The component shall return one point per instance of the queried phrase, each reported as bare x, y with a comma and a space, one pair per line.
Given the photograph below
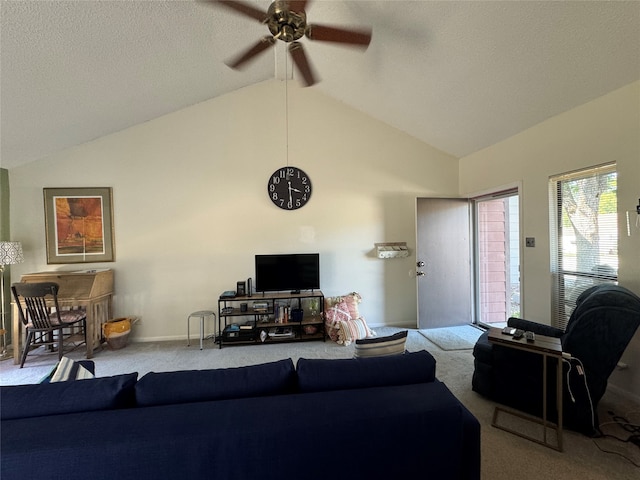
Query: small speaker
243, 307
249, 287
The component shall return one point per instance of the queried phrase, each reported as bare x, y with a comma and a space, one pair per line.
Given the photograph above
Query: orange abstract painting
79, 225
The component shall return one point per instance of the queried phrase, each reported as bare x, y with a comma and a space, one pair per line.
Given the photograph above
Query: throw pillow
352, 300
382, 346
42, 399
68, 370
334, 315
338, 312
353, 329
315, 375
273, 378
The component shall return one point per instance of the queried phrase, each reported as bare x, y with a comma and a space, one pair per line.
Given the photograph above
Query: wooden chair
44, 321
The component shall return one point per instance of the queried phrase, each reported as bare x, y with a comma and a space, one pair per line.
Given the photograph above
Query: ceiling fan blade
250, 53
325, 33
297, 5
241, 7
300, 60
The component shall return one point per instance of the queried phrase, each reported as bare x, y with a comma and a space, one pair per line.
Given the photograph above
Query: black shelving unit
246, 320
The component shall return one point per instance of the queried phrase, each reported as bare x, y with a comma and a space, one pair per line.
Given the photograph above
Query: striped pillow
351, 330
383, 346
67, 370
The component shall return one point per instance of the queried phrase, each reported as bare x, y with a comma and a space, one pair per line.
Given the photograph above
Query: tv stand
247, 320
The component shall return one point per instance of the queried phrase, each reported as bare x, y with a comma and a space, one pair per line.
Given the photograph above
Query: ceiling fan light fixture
285, 24
287, 21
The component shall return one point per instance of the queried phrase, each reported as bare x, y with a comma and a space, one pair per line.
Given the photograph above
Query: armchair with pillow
601, 326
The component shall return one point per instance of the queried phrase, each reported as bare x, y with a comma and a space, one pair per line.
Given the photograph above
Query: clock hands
293, 189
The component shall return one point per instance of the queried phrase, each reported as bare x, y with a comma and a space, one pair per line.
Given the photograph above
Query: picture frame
79, 225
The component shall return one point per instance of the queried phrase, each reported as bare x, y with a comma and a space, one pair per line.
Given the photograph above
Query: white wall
604, 130
191, 207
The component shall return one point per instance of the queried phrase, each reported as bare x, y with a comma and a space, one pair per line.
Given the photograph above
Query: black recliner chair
600, 327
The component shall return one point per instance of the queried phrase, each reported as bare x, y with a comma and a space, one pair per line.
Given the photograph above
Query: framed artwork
78, 225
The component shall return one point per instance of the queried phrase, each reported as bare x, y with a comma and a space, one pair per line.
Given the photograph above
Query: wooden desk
546, 347
91, 289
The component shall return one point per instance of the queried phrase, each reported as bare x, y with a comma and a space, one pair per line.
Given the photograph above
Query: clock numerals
289, 188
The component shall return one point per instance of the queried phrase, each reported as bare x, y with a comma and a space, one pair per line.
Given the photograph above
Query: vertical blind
584, 235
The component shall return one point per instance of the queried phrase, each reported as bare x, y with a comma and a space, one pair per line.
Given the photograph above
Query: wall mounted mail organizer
392, 250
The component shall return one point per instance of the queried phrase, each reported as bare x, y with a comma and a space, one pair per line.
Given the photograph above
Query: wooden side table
545, 347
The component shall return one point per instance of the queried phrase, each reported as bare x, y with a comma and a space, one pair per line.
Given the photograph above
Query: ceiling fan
287, 21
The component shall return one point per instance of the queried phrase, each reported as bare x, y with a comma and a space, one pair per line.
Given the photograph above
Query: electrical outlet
530, 242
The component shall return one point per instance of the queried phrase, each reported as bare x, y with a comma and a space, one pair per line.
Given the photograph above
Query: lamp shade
11, 253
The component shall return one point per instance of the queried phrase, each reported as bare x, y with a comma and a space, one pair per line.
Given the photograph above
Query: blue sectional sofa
381, 417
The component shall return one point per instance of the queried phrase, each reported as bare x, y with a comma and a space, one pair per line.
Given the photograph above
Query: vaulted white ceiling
460, 76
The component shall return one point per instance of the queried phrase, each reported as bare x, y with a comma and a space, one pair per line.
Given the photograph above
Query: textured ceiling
458, 75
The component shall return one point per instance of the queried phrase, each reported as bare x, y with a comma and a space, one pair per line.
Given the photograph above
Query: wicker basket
117, 332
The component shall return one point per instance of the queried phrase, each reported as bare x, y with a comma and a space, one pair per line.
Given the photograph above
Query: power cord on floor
626, 425
637, 440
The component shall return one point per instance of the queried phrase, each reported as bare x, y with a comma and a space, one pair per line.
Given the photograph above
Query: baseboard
165, 339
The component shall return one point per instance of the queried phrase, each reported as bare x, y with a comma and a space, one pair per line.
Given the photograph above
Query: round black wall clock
289, 188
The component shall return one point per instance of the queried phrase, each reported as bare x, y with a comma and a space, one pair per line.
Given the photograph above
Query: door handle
420, 264
420, 273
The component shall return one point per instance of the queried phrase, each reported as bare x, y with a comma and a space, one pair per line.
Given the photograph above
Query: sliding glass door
497, 246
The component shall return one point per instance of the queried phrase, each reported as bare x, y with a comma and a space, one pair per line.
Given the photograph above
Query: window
584, 235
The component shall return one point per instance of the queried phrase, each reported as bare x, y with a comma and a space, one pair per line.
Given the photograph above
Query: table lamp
10, 254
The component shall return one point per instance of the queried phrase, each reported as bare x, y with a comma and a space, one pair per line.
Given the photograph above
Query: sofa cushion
186, 386
320, 375
105, 393
381, 346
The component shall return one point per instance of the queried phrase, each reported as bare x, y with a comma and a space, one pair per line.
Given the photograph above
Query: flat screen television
294, 272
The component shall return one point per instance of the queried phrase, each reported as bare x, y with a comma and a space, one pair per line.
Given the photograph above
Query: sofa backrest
188, 386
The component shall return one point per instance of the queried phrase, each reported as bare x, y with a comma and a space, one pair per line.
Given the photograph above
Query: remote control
530, 336
518, 334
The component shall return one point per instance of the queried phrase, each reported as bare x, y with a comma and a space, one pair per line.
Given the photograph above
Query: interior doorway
468, 260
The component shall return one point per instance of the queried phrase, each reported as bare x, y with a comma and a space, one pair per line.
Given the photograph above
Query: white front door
444, 282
